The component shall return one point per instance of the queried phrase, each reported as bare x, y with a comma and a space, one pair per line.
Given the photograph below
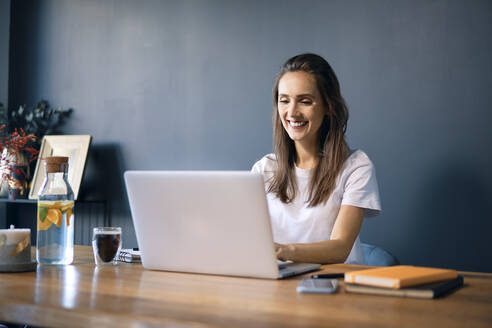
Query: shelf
34, 201
18, 201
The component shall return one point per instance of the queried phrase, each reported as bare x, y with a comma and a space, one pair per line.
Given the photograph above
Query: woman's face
300, 107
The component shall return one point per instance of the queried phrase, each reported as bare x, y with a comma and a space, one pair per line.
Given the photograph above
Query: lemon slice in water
55, 216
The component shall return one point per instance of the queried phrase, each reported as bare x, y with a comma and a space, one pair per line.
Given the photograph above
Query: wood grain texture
82, 295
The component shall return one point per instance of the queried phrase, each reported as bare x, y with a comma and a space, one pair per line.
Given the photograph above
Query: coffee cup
106, 245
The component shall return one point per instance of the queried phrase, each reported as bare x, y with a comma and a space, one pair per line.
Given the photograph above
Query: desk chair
376, 256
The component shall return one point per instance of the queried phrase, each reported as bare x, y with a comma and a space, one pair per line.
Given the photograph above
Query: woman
318, 190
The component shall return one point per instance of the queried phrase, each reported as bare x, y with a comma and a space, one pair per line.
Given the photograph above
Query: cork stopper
55, 164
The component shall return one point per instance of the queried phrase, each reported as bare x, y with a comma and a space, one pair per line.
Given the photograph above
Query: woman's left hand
284, 252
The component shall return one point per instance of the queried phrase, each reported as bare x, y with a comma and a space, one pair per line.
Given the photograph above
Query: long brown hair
333, 149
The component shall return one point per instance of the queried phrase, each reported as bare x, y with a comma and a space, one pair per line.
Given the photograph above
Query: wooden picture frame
75, 147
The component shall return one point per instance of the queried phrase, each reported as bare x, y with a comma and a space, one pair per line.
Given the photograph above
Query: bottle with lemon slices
55, 214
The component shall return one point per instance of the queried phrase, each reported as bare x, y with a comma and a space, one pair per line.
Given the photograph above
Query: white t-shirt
297, 223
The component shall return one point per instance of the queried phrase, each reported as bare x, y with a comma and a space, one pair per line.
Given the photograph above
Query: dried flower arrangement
10, 147
21, 132
38, 120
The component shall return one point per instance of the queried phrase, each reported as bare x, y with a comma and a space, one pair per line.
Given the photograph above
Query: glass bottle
55, 214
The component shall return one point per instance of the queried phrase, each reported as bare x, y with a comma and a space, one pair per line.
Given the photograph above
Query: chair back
377, 256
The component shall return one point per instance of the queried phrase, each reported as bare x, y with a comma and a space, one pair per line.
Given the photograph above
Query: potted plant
21, 133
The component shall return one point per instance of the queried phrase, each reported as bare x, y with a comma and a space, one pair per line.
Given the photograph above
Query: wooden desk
82, 295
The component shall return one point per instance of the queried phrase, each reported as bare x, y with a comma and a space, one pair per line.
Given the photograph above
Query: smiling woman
301, 110
318, 189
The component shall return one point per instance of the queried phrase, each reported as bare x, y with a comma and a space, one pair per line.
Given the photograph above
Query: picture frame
75, 147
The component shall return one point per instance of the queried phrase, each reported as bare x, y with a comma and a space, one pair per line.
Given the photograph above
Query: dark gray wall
186, 85
4, 49
4, 70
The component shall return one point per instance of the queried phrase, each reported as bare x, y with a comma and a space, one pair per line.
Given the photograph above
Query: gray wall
4, 49
187, 85
4, 70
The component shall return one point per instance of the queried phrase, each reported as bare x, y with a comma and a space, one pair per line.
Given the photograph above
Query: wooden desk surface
82, 295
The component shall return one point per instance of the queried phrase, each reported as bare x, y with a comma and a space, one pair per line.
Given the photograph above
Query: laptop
211, 222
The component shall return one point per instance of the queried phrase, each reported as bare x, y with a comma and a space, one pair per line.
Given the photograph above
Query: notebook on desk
213, 222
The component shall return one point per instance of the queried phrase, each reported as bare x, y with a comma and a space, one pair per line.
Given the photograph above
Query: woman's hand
335, 250
284, 252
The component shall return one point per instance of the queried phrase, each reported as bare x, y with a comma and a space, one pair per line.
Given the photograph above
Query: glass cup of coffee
106, 244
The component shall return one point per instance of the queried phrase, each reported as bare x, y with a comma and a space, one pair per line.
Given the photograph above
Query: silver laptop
213, 222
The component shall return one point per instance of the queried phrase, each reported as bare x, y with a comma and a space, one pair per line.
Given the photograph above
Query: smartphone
320, 286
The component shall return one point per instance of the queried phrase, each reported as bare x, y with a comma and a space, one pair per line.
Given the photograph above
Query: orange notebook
399, 276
